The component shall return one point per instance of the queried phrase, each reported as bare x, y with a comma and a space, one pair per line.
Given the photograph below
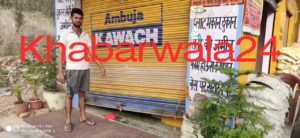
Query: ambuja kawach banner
63, 10
134, 25
222, 24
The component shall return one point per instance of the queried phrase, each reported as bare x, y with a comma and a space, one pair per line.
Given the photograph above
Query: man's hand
61, 78
103, 71
100, 66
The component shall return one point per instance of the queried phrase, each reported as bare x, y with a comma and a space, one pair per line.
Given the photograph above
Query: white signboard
63, 10
223, 24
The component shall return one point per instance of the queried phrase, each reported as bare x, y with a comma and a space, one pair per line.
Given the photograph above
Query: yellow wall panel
247, 65
279, 29
285, 8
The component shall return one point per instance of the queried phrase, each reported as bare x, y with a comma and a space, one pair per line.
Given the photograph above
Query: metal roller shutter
149, 86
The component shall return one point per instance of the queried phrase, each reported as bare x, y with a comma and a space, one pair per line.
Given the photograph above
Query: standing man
77, 74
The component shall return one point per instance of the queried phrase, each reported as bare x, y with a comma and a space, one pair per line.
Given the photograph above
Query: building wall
247, 65
286, 33
293, 8
299, 34
285, 8
24, 17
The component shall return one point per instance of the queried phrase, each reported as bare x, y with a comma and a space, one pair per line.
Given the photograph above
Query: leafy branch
227, 102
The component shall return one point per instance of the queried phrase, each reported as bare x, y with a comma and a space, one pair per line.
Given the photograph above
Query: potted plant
20, 105
226, 112
33, 76
53, 92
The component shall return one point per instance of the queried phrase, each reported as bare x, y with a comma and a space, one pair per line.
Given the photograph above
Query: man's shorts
77, 80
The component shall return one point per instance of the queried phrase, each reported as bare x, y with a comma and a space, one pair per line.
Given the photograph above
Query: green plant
3, 78
228, 103
17, 90
33, 75
42, 73
50, 71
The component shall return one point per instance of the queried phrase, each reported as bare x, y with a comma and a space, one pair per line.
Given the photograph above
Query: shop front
149, 80
147, 86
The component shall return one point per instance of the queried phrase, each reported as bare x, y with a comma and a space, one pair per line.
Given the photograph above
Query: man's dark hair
76, 10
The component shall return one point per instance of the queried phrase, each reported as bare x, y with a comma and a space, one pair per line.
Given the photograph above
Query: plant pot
36, 104
55, 100
21, 108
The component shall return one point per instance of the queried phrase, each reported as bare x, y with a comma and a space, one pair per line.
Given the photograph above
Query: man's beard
77, 25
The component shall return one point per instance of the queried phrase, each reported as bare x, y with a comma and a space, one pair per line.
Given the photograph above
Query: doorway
267, 24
